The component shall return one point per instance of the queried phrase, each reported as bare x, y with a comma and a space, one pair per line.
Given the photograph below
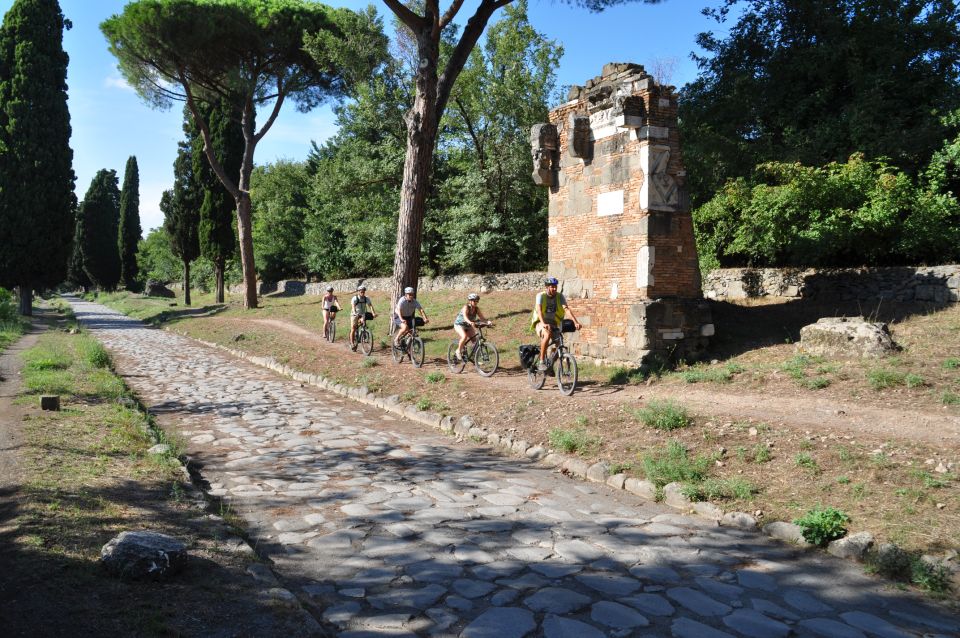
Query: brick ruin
620, 230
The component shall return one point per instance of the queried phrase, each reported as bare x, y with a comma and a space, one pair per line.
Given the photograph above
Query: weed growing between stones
898, 564
822, 525
664, 415
574, 441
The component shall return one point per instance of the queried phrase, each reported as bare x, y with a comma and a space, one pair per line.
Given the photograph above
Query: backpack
528, 355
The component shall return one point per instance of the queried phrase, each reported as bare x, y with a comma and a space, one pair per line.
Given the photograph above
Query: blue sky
110, 122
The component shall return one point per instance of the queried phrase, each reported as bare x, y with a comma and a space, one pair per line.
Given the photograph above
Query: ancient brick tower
620, 231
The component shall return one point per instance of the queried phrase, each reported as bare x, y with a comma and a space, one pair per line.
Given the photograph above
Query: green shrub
914, 381
672, 463
95, 354
820, 526
949, 398
934, 577
804, 460
953, 363
761, 453
898, 564
664, 415
436, 377
882, 378
424, 403
576, 440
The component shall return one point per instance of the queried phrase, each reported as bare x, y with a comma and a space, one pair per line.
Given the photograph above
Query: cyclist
359, 305
465, 324
405, 310
549, 310
330, 306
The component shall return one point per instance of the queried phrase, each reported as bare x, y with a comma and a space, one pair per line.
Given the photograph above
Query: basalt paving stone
385, 527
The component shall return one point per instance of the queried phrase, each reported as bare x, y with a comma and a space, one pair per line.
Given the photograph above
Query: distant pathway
383, 529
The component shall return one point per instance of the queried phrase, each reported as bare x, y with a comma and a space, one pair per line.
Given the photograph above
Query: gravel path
381, 528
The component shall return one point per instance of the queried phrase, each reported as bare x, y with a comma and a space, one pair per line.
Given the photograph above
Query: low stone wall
479, 283
934, 284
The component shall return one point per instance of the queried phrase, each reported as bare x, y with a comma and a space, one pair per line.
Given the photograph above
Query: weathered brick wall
620, 230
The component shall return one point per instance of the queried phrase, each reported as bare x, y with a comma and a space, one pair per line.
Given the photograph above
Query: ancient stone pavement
382, 528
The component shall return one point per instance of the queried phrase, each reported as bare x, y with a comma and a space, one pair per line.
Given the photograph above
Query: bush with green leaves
664, 415
822, 525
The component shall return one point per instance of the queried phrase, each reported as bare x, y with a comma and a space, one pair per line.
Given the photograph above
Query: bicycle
481, 352
330, 330
410, 345
560, 362
362, 336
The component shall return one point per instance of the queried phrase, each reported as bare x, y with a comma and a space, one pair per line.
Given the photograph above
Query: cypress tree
100, 215
130, 229
217, 213
36, 176
181, 205
76, 275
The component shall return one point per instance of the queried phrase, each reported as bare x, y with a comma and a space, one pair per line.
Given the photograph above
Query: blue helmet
551, 281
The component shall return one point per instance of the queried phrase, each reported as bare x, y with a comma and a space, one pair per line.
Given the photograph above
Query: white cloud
117, 82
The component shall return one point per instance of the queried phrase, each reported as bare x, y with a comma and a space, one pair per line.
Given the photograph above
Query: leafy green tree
248, 53
429, 25
496, 217
217, 239
130, 229
181, 205
156, 258
279, 193
37, 203
814, 81
100, 224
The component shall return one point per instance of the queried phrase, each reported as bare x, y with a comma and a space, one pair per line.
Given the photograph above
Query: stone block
143, 555
854, 546
576, 467
598, 472
463, 425
738, 519
784, 531
708, 510
847, 336
673, 496
50, 402
616, 481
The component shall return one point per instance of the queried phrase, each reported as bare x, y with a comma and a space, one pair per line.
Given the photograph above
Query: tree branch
451, 13
473, 134
406, 16
273, 114
207, 144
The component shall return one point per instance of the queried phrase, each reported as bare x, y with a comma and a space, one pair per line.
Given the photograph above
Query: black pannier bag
418, 321
528, 355
567, 325
368, 316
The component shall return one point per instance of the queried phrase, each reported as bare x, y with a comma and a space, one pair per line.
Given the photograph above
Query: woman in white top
330, 305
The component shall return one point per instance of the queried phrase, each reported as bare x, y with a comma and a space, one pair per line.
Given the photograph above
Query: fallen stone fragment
143, 555
786, 532
853, 546
738, 519
846, 336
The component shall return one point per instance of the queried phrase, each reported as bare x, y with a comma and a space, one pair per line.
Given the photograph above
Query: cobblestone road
384, 529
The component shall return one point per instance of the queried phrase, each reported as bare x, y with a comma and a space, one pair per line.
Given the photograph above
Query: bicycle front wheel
486, 359
331, 331
366, 341
566, 374
455, 364
398, 351
536, 378
416, 351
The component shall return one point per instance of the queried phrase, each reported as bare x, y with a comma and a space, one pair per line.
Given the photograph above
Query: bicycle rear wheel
536, 378
455, 364
486, 359
416, 351
331, 331
398, 352
366, 341
566, 374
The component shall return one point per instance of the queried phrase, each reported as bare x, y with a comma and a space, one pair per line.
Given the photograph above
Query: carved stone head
545, 147
578, 136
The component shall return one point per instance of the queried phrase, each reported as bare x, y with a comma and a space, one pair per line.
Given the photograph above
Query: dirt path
807, 413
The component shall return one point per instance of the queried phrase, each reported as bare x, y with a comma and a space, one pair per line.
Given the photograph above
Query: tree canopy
250, 54
100, 215
37, 202
130, 229
181, 204
814, 81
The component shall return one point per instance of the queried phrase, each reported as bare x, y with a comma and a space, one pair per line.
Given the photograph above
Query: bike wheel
416, 351
331, 331
366, 341
486, 359
398, 352
456, 365
566, 374
536, 378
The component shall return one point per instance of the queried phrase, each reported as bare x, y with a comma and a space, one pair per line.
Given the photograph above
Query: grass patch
622, 375
883, 378
436, 377
664, 415
713, 489
673, 463
950, 398
914, 380
898, 564
807, 462
815, 383
369, 362
953, 363
574, 440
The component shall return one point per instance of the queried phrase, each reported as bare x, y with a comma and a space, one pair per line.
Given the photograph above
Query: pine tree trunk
186, 283
26, 301
219, 267
421, 141
245, 234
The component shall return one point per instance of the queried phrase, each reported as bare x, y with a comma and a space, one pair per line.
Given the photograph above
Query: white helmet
408, 290
329, 288
473, 297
